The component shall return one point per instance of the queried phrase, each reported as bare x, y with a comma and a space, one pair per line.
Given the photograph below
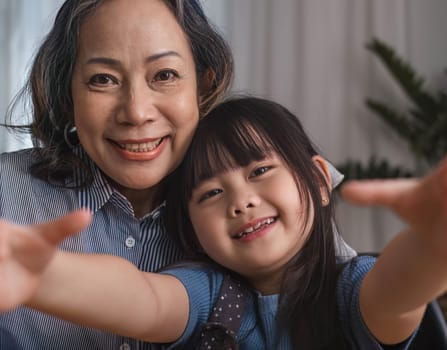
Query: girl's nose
242, 204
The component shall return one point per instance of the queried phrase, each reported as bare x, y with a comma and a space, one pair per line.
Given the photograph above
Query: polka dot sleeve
202, 286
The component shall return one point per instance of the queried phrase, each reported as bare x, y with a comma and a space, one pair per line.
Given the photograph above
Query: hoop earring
69, 130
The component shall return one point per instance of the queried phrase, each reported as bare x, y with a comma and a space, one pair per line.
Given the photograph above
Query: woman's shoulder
17, 161
15, 170
24, 198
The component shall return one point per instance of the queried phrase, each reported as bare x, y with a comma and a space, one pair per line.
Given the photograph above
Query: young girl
252, 195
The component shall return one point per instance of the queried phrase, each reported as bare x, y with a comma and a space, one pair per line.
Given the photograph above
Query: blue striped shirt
115, 230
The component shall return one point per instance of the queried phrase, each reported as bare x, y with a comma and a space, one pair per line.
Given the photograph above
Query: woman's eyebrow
114, 62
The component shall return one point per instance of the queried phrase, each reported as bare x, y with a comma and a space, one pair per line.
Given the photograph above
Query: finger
56, 231
4, 248
377, 192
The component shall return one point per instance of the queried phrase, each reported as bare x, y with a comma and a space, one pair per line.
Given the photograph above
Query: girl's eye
102, 80
260, 171
209, 194
166, 75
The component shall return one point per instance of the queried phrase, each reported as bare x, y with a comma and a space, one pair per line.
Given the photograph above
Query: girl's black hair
235, 133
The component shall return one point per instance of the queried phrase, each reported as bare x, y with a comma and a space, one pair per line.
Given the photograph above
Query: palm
421, 203
18, 284
25, 252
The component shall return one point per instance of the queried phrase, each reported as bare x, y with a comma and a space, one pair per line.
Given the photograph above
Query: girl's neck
267, 284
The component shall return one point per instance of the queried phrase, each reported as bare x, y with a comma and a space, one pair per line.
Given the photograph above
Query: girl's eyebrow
202, 182
114, 62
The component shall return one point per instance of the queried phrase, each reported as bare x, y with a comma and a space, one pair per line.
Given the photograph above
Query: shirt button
130, 243
124, 346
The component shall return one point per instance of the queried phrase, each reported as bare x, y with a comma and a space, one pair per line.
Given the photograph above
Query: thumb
377, 192
57, 230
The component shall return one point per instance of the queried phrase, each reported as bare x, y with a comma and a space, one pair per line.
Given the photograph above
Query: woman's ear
322, 165
205, 83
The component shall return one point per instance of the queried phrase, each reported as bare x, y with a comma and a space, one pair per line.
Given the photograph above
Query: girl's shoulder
213, 294
360, 261
348, 306
199, 278
354, 270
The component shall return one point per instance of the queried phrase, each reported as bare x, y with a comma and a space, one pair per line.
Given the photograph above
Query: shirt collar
94, 196
99, 191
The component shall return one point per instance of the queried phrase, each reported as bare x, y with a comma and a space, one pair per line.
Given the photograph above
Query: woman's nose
139, 106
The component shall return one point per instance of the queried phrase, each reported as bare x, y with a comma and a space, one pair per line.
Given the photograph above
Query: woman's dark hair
235, 133
49, 82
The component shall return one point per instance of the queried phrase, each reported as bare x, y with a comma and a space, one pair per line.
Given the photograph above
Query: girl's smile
251, 219
254, 229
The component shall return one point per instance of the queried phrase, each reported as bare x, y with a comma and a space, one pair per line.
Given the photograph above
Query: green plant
422, 125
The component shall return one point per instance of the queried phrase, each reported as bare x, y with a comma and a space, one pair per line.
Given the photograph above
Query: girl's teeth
255, 227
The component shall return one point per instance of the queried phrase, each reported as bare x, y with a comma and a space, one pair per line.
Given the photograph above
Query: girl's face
134, 94
252, 220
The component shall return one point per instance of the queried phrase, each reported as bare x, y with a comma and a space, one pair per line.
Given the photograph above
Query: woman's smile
134, 93
141, 151
140, 146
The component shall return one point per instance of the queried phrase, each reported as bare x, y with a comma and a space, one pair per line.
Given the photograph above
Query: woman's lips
140, 146
140, 150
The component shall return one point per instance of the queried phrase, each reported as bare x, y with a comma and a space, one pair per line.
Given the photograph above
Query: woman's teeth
141, 147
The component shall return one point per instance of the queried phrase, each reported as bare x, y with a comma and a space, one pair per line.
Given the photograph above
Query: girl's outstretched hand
422, 203
25, 252
412, 268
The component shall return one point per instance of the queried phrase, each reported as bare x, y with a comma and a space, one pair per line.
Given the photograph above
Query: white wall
23, 23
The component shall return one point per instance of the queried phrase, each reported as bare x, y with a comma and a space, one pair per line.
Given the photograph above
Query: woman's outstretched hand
25, 252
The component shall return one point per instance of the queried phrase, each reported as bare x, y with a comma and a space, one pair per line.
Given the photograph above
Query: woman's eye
209, 194
259, 171
166, 75
101, 80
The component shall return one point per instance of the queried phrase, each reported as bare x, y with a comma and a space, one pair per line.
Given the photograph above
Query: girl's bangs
216, 150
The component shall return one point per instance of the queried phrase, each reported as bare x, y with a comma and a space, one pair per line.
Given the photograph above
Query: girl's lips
253, 227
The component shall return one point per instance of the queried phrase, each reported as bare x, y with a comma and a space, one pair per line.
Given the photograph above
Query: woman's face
134, 93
